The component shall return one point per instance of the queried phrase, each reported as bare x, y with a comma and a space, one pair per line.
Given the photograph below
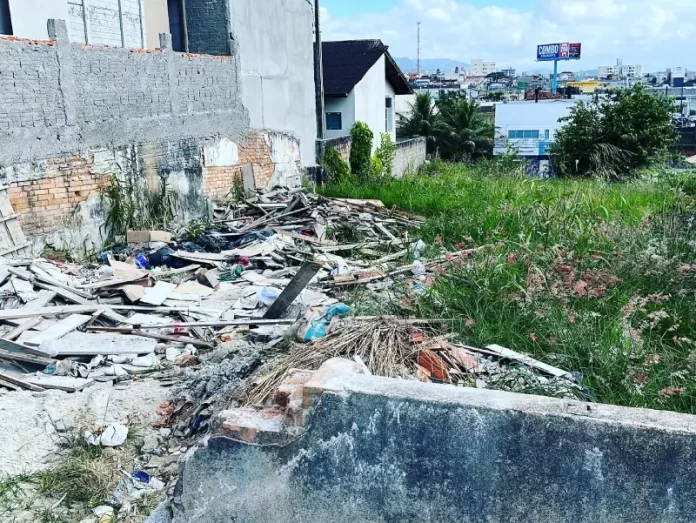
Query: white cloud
654, 33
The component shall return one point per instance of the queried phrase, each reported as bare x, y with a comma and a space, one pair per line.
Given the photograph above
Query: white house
530, 128
361, 83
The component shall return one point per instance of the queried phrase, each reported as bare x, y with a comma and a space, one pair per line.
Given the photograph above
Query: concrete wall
156, 21
72, 114
409, 156
370, 94
380, 450
29, 17
275, 42
345, 106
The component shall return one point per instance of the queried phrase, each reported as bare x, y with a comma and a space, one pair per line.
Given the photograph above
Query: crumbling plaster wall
276, 49
72, 114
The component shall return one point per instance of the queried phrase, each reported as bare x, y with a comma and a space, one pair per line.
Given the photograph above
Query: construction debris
262, 290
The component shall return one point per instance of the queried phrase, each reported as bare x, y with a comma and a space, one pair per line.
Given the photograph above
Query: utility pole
419, 49
318, 73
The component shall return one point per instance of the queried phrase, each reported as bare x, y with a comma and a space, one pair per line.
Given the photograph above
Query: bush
385, 155
610, 139
361, 150
336, 169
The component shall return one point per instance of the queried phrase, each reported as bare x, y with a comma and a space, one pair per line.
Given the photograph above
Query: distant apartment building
509, 71
481, 68
619, 70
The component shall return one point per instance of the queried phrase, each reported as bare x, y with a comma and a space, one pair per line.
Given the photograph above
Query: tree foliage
361, 150
453, 126
422, 120
613, 138
384, 156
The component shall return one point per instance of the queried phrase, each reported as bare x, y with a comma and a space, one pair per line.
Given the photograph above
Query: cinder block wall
410, 155
71, 114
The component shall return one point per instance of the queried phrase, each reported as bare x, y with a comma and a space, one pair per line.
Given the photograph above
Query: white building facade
481, 68
529, 129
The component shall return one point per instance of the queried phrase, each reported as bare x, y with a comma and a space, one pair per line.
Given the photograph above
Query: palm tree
462, 132
423, 120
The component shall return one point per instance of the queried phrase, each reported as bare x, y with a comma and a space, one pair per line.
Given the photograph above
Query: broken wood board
26, 325
59, 330
13, 243
64, 383
511, 355
75, 298
20, 357
194, 288
23, 289
16, 382
205, 256
140, 332
218, 324
105, 344
112, 282
125, 270
44, 297
18, 348
293, 290
46, 278
157, 294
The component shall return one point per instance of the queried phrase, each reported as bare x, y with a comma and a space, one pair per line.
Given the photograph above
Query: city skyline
656, 34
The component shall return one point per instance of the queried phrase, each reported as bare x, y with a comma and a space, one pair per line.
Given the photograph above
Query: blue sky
654, 33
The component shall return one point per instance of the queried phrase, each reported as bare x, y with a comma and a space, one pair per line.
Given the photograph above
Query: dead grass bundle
384, 345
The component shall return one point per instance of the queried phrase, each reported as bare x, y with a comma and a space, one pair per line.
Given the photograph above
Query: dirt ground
32, 422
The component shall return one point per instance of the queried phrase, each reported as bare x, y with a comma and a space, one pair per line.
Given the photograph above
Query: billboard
560, 51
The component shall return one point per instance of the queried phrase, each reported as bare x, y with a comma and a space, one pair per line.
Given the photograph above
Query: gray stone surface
393, 451
66, 98
409, 156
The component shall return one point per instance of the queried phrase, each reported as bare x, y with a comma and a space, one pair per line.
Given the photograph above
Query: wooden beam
6, 378
293, 290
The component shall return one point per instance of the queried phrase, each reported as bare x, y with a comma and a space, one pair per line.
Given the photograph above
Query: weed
592, 276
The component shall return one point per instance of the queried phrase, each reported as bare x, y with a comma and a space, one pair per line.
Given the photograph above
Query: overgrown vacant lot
594, 277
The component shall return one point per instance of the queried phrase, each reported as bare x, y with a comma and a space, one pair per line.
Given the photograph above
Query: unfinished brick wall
50, 202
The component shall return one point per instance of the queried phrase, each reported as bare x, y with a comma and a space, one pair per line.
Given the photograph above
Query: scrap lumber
509, 354
215, 324
106, 344
60, 329
23, 327
16, 382
19, 348
18, 314
21, 357
64, 383
293, 290
71, 296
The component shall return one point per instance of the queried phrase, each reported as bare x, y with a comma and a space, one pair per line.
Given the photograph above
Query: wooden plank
43, 299
105, 344
157, 294
385, 231
60, 329
216, 324
23, 289
293, 290
510, 354
22, 327
19, 383
49, 280
163, 337
12, 346
75, 298
41, 361
64, 383
113, 282
15, 249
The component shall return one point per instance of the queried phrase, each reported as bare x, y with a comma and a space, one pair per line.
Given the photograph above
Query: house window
5, 20
547, 134
389, 115
334, 122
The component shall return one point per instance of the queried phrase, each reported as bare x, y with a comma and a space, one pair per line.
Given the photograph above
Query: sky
656, 34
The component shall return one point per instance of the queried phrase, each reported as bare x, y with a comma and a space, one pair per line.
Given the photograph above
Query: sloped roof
347, 62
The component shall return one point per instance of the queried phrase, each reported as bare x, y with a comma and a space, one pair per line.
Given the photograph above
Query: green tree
384, 156
422, 121
336, 169
612, 138
462, 132
361, 150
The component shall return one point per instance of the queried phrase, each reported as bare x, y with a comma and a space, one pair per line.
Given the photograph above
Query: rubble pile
267, 275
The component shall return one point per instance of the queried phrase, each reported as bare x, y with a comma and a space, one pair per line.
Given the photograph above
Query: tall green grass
595, 277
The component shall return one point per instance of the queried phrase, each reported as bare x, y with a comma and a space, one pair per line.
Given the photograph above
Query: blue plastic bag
317, 329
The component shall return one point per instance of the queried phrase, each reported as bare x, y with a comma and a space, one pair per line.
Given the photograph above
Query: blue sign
560, 51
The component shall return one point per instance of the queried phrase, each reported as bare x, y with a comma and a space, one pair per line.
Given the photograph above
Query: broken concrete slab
106, 344
379, 449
